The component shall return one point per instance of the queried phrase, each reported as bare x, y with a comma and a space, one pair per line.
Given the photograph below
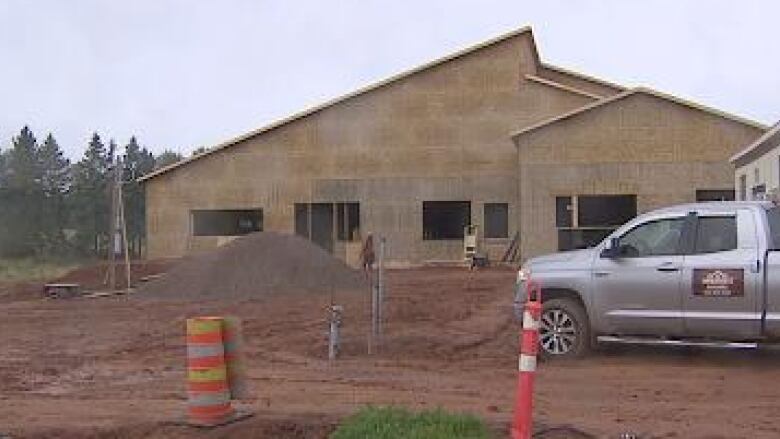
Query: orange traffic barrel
207, 379
233, 342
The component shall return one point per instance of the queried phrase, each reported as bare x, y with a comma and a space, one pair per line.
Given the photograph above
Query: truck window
654, 238
716, 234
773, 215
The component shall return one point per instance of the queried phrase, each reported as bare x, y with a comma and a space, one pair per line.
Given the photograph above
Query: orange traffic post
233, 342
522, 425
207, 381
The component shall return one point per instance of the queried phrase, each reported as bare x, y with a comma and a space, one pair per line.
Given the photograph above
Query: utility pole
117, 230
112, 220
123, 226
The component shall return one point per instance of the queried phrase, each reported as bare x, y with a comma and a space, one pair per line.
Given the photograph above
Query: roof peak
373, 86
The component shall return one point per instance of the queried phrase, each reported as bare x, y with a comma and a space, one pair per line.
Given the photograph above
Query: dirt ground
114, 368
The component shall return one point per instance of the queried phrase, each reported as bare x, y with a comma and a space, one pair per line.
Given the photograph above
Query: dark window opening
703, 195
302, 220
716, 234
321, 225
348, 221
315, 222
445, 219
584, 221
496, 220
226, 222
564, 210
605, 210
573, 239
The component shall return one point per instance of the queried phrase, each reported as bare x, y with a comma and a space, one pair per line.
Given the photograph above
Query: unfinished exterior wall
442, 133
657, 149
438, 134
758, 171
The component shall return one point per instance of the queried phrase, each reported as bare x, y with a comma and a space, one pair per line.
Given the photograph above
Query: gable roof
360, 91
632, 92
760, 146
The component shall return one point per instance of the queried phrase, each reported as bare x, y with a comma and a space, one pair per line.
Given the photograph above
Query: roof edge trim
755, 145
553, 84
583, 76
633, 91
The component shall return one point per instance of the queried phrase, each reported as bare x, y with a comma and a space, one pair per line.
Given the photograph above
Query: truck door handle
668, 268
601, 273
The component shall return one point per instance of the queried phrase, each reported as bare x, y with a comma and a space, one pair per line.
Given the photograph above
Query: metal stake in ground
335, 313
380, 287
375, 306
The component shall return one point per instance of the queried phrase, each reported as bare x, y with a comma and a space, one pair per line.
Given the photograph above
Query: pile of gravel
255, 265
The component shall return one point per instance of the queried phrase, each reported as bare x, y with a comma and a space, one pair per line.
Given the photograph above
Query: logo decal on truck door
719, 282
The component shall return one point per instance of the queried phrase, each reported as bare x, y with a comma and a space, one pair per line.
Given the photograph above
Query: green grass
29, 269
400, 423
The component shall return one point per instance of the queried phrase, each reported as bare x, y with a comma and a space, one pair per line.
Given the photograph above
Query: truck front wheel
564, 330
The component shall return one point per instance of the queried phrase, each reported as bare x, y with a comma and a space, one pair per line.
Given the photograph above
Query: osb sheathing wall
438, 134
761, 165
657, 149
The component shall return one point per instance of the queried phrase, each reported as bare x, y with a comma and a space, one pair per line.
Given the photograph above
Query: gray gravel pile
255, 265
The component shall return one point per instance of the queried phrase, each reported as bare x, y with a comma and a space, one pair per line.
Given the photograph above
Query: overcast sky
186, 73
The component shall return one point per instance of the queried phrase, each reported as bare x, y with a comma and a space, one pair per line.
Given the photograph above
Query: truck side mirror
612, 250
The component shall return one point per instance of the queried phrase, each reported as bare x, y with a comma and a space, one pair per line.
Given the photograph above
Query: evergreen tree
23, 169
5, 203
55, 183
90, 202
24, 196
3, 170
166, 158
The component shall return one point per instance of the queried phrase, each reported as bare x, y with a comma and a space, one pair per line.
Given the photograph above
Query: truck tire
564, 331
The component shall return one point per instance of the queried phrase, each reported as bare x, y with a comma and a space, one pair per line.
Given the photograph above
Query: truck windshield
773, 215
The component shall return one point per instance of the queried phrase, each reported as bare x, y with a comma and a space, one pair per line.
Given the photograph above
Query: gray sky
185, 73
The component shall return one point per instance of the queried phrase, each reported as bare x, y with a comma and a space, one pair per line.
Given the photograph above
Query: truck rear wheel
564, 330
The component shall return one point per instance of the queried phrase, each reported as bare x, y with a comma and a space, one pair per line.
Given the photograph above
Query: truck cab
696, 273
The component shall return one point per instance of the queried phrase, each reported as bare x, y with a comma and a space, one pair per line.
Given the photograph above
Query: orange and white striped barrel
207, 379
233, 342
522, 425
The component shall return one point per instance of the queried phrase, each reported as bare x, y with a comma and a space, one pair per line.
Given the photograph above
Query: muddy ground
114, 367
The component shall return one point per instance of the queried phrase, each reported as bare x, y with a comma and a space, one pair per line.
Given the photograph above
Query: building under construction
490, 136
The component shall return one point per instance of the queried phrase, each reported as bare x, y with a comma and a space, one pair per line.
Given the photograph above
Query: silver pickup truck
706, 273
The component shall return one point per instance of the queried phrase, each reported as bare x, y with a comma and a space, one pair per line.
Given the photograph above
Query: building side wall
439, 134
658, 150
762, 170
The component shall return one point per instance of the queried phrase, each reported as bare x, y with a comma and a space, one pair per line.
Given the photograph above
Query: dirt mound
255, 265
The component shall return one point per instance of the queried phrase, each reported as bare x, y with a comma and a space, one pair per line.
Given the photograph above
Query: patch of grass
400, 423
29, 269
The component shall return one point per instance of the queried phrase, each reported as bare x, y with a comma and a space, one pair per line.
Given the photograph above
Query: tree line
52, 208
